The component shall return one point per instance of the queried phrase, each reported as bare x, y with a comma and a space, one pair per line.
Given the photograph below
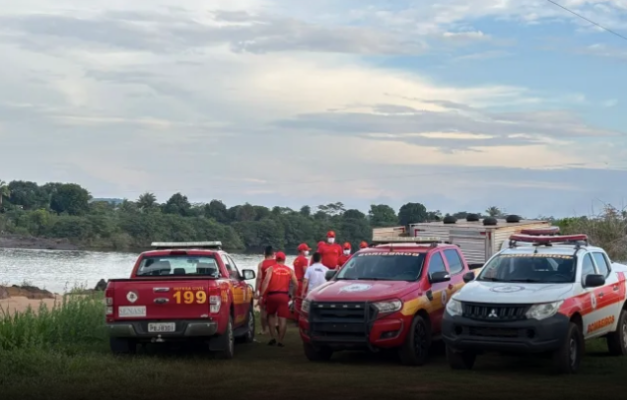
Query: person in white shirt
314, 275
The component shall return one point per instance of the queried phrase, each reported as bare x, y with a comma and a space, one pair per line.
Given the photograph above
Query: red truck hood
360, 290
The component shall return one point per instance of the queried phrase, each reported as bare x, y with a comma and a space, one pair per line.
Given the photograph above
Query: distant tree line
68, 211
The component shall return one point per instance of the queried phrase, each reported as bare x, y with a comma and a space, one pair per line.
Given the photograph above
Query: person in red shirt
330, 252
346, 254
318, 250
363, 245
276, 291
300, 265
262, 268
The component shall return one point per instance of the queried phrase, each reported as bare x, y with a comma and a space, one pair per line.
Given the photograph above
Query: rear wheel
415, 350
122, 346
229, 351
567, 358
617, 340
460, 359
249, 337
317, 354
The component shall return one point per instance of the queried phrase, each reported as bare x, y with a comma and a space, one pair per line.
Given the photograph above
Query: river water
60, 270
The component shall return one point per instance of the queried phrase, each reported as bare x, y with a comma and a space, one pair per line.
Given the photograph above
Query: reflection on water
60, 270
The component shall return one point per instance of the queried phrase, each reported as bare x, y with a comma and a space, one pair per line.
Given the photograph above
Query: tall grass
74, 324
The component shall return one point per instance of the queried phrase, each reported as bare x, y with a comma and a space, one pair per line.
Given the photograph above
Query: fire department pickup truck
390, 296
178, 292
547, 296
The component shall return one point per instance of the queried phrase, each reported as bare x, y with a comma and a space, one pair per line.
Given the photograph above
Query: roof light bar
547, 240
187, 245
550, 231
398, 239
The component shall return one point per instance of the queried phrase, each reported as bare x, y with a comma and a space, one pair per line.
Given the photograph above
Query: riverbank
36, 243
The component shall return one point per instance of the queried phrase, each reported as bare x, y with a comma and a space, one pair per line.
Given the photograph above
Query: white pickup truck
542, 294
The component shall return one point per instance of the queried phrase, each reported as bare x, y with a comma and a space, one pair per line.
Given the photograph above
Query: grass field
63, 353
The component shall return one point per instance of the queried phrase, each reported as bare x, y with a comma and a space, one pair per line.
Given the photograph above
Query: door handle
601, 294
450, 286
615, 288
161, 300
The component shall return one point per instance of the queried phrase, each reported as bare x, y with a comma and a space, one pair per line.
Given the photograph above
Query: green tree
412, 213
70, 198
28, 195
494, 211
381, 215
5, 192
217, 210
147, 202
177, 204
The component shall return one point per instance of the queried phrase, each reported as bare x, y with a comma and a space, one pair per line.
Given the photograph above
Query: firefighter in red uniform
300, 265
276, 291
363, 245
346, 254
330, 252
318, 250
262, 267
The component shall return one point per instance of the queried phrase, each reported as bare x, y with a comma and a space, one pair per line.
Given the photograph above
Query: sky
507, 103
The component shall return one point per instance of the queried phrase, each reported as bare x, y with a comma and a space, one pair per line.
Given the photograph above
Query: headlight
304, 307
454, 307
389, 306
543, 311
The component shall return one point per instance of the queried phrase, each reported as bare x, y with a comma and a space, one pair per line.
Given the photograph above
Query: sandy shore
19, 304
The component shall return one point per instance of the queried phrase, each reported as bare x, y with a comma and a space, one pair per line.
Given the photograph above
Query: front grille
344, 321
495, 312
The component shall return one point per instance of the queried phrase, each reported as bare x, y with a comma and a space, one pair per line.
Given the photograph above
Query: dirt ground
21, 303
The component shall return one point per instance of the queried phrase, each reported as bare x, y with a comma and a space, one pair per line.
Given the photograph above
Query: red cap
279, 256
363, 245
330, 234
303, 247
347, 246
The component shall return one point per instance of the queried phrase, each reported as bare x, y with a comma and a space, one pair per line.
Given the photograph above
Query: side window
587, 267
602, 263
232, 267
455, 265
436, 263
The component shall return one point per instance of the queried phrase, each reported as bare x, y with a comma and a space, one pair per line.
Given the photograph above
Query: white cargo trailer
478, 242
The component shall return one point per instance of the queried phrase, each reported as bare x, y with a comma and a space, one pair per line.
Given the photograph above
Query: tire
567, 358
460, 359
229, 352
249, 337
415, 350
617, 340
317, 354
122, 346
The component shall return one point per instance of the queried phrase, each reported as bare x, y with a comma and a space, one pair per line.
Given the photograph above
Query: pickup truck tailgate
139, 299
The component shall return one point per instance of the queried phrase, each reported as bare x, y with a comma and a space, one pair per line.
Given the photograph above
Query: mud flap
219, 343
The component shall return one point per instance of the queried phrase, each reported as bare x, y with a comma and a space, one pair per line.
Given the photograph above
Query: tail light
109, 301
215, 302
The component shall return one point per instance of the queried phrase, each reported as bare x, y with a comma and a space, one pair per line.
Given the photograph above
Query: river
60, 270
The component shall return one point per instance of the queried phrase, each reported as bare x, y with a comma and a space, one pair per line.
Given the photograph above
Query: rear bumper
184, 329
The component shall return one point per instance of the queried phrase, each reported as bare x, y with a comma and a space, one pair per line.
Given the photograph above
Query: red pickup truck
180, 292
391, 296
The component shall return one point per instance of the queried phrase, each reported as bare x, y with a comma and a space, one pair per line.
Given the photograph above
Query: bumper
184, 329
384, 333
525, 336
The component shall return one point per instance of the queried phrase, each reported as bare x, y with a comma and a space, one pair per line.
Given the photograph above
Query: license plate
161, 327
131, 311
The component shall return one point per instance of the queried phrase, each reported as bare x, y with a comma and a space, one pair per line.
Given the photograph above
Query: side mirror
440, 276
248, 274
468, 277
329, 275
593, 280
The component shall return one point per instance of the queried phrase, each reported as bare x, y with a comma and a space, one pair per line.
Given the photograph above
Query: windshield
530, 267
179, 265
387, 266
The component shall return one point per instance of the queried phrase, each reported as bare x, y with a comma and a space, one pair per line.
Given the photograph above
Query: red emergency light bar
548, 239
553, 230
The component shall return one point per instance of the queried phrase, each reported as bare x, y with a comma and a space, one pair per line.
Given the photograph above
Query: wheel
229, 352
249, 337
317, 354
415, 350
460, 359
617, 340
567, 358
122, 346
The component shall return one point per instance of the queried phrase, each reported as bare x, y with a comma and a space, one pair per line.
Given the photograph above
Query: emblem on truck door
132, 297
492, 314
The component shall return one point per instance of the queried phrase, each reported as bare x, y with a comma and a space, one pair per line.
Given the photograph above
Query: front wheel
567, 358
415, 350
317, 354
617, 340
460, 359
229, 352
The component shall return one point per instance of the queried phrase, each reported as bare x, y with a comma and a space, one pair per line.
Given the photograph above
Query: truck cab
181, 292
546, 296
390, 296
